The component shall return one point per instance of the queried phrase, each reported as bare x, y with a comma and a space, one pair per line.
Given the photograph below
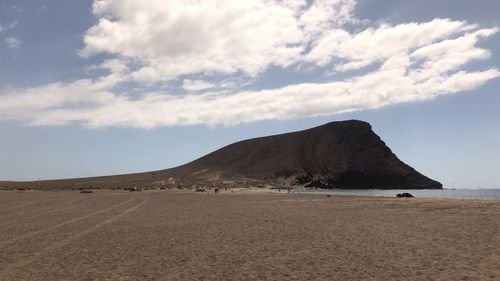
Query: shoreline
375, 193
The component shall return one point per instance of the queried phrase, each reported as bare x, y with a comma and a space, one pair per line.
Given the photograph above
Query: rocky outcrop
405, 195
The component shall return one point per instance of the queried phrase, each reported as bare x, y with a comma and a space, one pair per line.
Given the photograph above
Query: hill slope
346, 154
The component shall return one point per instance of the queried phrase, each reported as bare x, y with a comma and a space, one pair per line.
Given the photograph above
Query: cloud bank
175, 63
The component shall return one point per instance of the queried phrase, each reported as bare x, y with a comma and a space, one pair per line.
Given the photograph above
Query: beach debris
86, 191
405, 195
199, 189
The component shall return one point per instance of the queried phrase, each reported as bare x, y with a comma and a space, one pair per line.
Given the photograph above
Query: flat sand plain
165, 235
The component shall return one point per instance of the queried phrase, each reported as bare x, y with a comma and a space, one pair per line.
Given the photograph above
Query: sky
105, 87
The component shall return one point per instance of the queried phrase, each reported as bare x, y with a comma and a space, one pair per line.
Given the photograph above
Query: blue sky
104, 87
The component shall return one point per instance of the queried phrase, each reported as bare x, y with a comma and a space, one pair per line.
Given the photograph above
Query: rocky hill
344, 154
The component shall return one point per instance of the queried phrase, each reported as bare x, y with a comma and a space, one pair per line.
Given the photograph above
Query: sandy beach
165, 235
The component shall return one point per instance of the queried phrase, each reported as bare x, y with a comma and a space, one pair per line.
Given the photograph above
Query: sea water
490, 194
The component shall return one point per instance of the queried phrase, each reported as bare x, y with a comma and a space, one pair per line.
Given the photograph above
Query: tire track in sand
31, 234
62, 243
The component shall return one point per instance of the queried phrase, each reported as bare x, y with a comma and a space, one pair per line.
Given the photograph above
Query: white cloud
214, 46
358, 50
8, 27
451, 54
173, 38
196, 85
13, 42
322, 15
60, 104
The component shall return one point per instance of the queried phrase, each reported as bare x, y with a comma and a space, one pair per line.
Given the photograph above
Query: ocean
490, 194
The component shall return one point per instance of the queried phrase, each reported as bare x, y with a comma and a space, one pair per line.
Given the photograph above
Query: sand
165, 235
